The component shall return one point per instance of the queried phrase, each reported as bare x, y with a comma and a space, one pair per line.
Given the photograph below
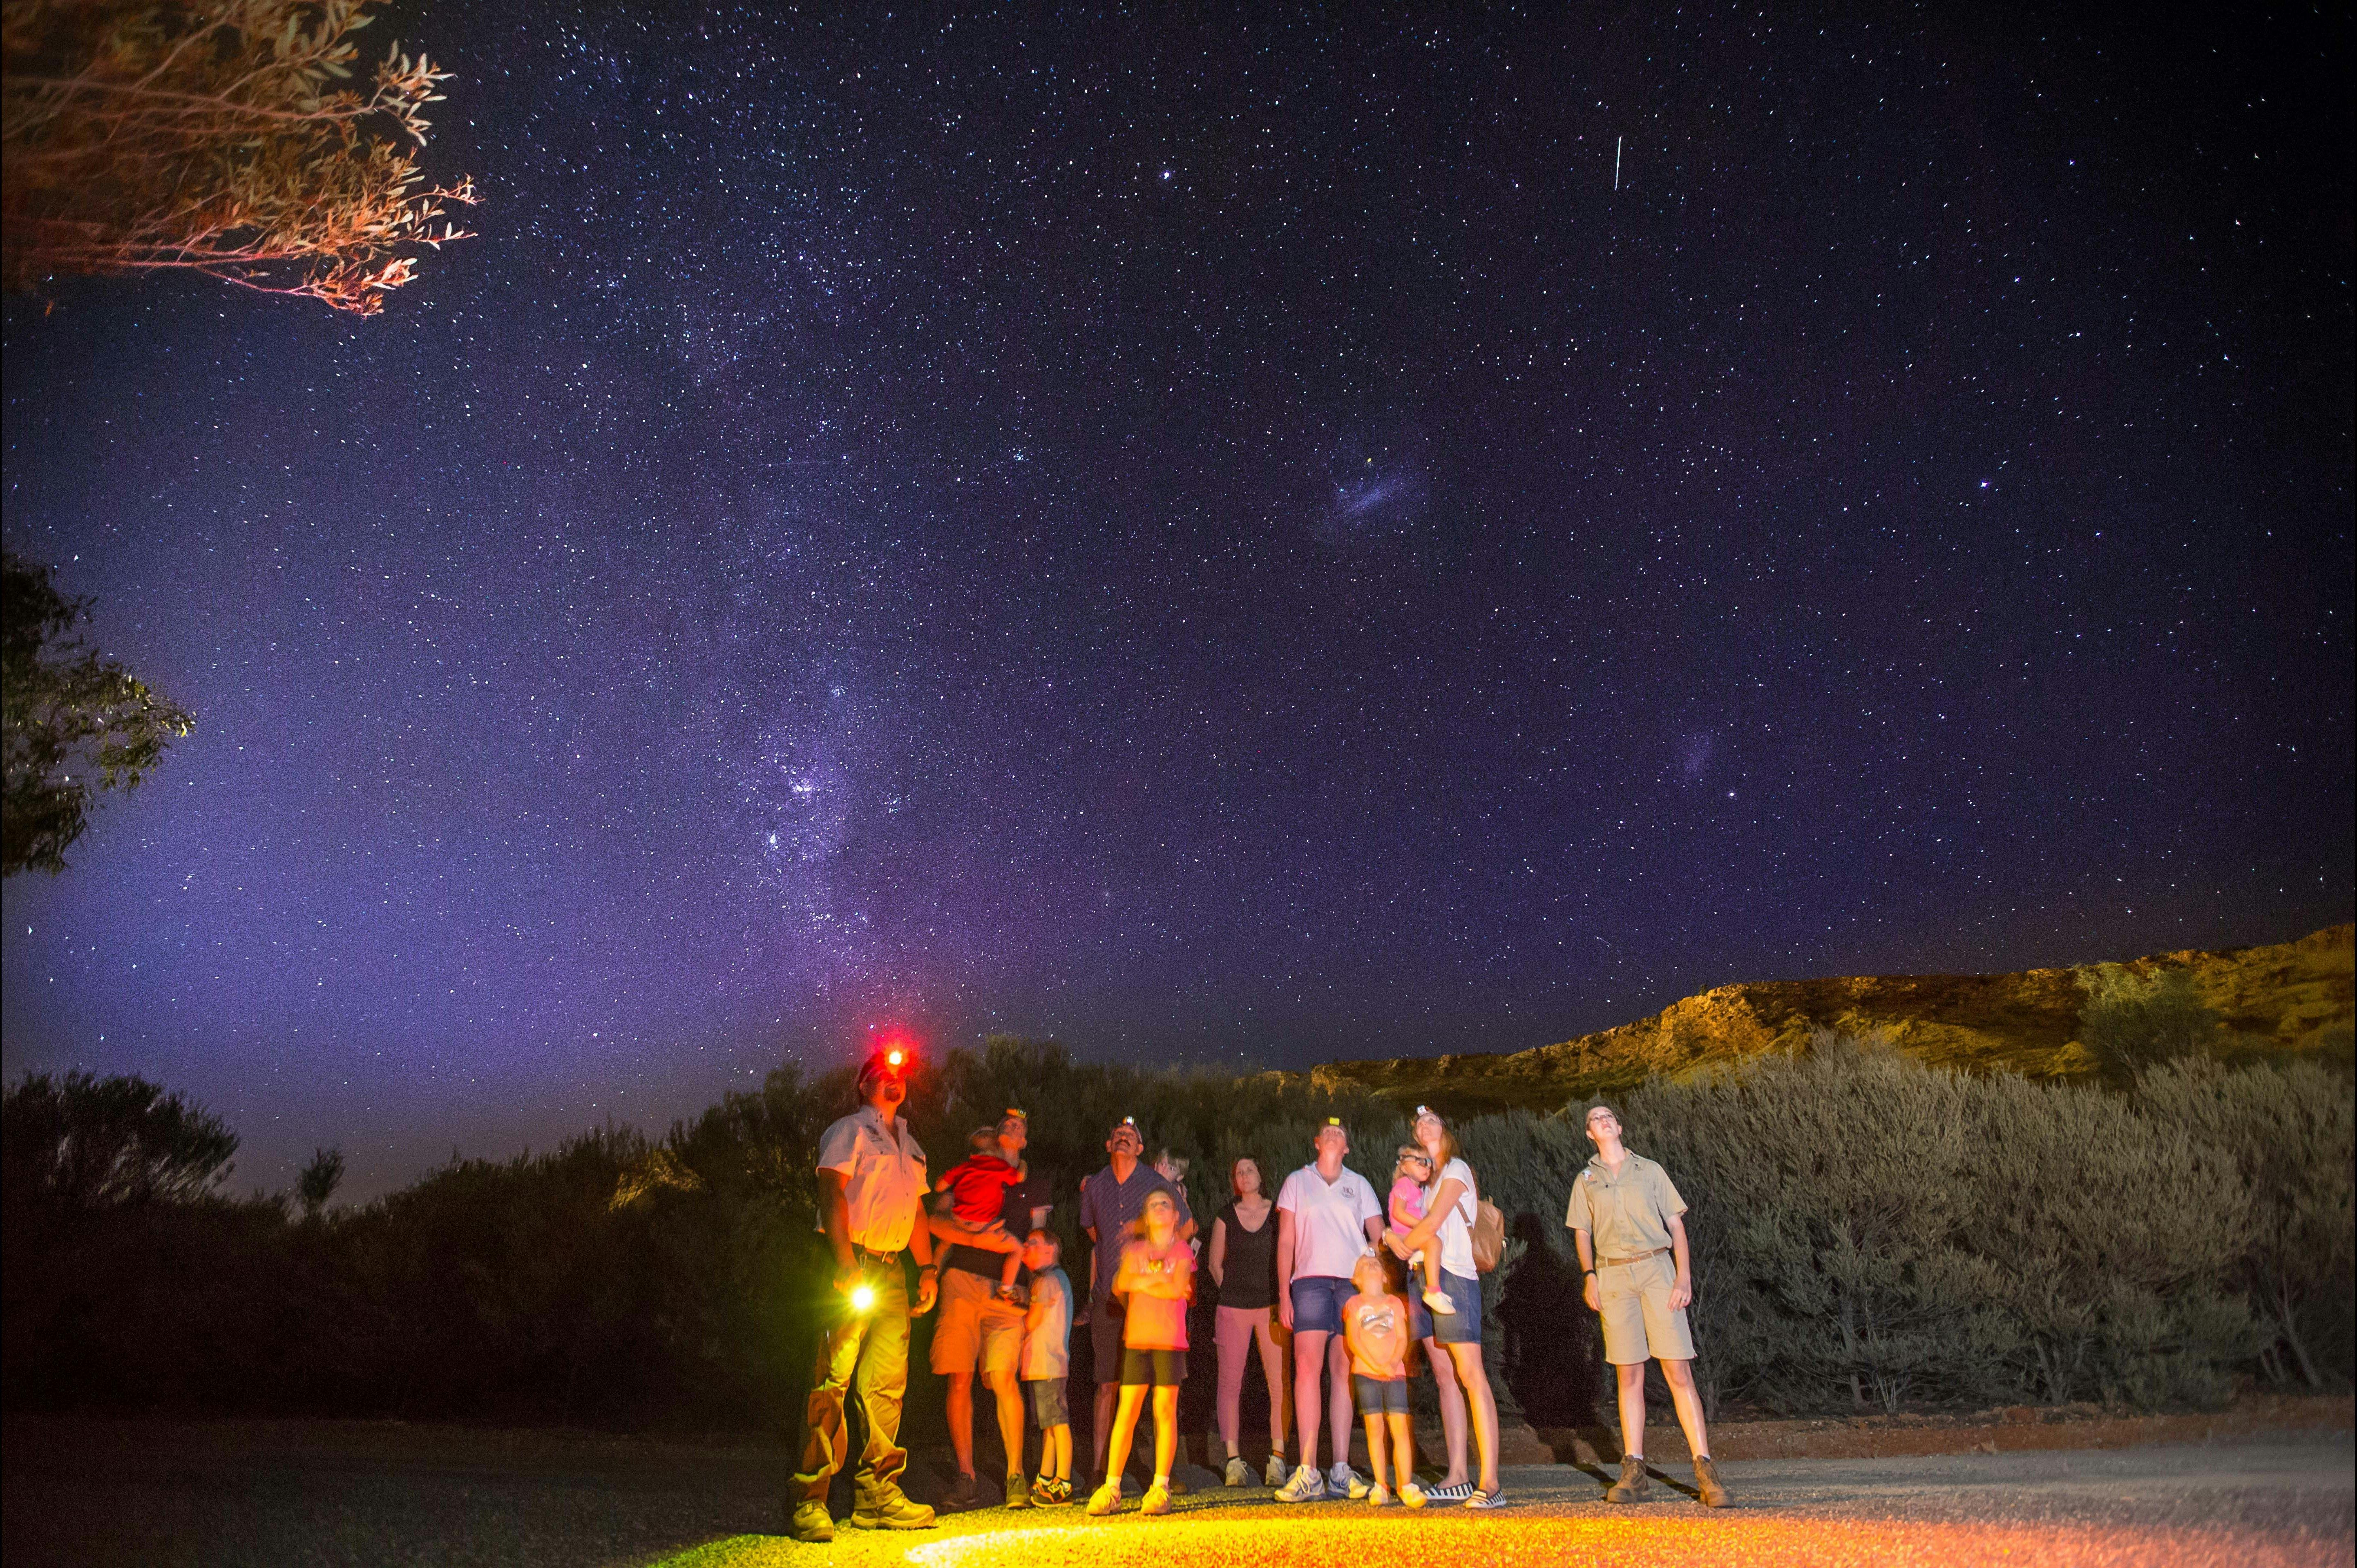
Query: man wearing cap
871, 1208
1327, 1216
1111, 1202
976, 1327
1626, 1218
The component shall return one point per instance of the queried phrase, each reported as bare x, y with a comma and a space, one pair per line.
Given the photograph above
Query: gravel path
304, 1493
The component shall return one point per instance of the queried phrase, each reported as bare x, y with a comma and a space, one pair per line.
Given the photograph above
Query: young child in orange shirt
1376, 1327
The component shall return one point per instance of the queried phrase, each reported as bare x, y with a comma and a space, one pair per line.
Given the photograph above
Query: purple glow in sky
1219, 541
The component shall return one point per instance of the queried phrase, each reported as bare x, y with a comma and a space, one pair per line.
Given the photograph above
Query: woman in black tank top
1244, 1261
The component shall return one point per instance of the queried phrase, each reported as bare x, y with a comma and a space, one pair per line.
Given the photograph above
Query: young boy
1045, 1360
977, 1188
1409, 1179
1375, 1326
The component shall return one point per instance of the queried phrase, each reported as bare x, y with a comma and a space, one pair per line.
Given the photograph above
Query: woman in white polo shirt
1327, 1217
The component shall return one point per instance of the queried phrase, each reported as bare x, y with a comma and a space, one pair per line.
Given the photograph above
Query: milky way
1218, 540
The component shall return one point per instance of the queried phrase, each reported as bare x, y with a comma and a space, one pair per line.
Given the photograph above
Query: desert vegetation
1871, 1233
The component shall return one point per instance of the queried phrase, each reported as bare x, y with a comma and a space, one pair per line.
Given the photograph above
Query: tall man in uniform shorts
1625, 1218
871, 1207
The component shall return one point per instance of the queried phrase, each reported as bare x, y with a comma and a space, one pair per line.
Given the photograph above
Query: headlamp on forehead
1423, 1110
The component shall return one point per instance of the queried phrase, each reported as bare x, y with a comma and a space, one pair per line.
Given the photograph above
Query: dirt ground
294, 1493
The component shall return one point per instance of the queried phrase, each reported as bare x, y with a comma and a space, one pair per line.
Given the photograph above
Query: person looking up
976, 1186
1375, 1328
981, 1324
1154, 1280
1326, 1216
1452, 1342
1111, 1202
1244, 1265
1047, 1358
1626, 1219
871, 1208
1409, 1179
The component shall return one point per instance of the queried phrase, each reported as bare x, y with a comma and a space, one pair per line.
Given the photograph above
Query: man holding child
986, 1206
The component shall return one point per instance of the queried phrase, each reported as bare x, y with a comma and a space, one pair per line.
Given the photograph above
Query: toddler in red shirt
977, 1188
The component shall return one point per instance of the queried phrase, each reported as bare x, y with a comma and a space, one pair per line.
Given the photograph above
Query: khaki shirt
884, 1181
1627, 1213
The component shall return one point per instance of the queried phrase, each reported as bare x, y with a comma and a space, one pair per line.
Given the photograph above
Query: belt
1637, 1258
874, 1256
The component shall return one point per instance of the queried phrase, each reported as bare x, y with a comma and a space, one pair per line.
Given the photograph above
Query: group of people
1323, 1269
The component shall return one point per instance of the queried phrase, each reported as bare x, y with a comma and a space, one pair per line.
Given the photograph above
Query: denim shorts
1462, 1326
1379, 1396
1318, 1303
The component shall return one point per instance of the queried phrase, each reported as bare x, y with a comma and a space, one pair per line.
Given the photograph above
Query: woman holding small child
1452, 1339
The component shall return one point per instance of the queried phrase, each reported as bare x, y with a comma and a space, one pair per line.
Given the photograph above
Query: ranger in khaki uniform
1625, 1218
871, 1201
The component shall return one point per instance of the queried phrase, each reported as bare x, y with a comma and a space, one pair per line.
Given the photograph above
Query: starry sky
1221, 537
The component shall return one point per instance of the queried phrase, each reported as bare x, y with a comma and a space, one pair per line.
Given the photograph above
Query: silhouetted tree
71, 721
92, 1141
319, 1180
210, 136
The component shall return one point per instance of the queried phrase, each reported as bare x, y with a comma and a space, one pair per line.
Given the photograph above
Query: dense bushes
1868, 1233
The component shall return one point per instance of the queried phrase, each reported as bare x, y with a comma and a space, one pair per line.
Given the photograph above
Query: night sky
1215, 539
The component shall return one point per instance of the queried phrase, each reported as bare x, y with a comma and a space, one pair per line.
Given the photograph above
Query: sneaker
1018, 1495
1346, 1481
1481, 1499
891, 1511
1713, 1494
1305, 1487
965, 1492
1275, 1475
812, 1523
1105, 1499
1634, 1483
1411, 1495
1158, 1498
1456, 1492
1043, 1492
1239, 1473
1438, 1301
1378, 1494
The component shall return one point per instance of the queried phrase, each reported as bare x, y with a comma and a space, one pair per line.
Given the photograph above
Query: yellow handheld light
862, 1297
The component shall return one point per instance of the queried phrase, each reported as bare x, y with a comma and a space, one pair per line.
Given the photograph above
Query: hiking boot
1019, 1493
1634, 1483
1158, 1498
965, 1492
1239, 1473
1275, 1475
812, 1522
892, 1510
1306, 1486
1714, 1493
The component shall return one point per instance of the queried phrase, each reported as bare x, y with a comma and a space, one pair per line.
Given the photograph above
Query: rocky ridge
2291, 997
